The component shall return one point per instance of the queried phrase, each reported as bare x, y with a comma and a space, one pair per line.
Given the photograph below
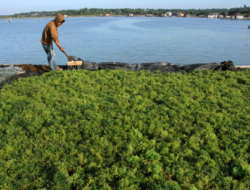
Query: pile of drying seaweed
36, 68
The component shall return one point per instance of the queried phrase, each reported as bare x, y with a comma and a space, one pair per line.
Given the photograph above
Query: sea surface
130, 40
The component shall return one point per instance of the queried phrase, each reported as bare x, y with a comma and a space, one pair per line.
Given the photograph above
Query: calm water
130, 40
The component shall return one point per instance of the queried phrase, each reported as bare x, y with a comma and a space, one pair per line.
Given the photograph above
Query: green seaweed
119, 129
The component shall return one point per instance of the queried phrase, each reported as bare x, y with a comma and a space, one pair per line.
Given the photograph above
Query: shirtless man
50, 34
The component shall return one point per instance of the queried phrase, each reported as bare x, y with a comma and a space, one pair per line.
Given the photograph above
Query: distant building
169, 13
229, 16
180, 14
163, 15
188, 15
210, 15
65, 15
34, 14
213, 15
149, 15
106, 14
131, 14
239, 16
221, 16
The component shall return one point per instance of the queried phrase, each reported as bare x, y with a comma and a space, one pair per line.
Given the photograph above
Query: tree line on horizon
126, 11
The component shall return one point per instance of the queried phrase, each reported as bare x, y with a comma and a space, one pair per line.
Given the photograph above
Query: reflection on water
130, 40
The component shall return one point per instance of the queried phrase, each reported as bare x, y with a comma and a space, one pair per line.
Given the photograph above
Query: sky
8, 7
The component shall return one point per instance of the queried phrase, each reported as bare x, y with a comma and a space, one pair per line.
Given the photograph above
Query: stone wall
151, 67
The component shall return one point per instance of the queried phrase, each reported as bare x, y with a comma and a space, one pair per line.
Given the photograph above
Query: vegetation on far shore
126, 11
117, 129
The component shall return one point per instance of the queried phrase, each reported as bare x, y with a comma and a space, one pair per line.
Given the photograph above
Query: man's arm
58, 45
54, 36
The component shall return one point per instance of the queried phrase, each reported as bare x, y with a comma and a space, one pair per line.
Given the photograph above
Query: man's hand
61, 48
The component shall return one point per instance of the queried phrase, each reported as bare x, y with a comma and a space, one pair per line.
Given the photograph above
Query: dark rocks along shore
151, 67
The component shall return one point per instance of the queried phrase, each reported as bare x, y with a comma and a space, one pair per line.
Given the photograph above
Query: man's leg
51, 54
52, 58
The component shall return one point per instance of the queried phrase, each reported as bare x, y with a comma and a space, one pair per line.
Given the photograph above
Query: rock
92, 66
201, 66
158, 66
118, 65
224, 66
161, 67
151, 67
74, 58
9, 71
171, 69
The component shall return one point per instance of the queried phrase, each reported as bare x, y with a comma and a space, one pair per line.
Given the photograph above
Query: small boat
38, 18
10, 20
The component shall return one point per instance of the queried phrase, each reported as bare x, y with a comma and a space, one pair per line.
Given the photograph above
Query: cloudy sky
8, 7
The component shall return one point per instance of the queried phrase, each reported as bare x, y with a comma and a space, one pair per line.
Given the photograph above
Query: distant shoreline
122, 16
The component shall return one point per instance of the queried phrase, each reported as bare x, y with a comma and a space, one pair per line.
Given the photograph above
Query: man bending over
50, 34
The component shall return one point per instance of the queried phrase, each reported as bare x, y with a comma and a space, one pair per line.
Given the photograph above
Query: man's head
59, 20
59, 24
